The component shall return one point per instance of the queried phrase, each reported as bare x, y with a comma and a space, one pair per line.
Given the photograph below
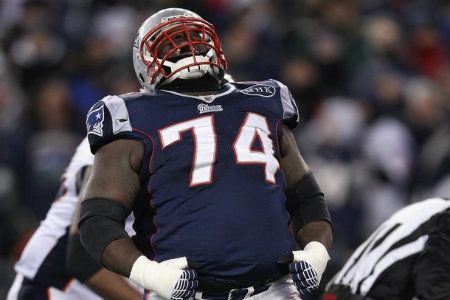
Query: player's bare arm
295, 169
108, 199
309, 217
114, 177
103, 282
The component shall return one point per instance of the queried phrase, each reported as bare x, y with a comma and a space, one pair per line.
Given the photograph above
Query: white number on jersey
204, 135
205, 146
255, 126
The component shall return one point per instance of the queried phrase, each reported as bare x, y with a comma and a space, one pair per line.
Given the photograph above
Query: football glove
307, 266
171, 279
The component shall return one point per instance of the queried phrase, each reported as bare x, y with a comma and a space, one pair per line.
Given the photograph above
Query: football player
53, 264
219, 169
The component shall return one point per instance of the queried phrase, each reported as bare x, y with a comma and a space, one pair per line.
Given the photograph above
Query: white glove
171, 279
307, 266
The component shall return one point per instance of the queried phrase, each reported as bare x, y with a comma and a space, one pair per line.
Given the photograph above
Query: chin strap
195, 72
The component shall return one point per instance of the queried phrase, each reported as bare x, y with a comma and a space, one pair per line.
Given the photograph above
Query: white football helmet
176, 43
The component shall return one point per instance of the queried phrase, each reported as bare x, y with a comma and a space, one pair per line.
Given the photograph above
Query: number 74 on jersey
253, 127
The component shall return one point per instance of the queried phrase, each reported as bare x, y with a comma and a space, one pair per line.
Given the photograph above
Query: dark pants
32, 291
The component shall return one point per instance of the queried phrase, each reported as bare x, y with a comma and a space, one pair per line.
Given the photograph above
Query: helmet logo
165, 19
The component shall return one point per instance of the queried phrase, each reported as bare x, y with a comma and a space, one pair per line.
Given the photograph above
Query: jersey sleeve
82, 155
290, 110
107, 121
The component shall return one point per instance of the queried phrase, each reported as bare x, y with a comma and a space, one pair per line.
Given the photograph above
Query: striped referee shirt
403, 235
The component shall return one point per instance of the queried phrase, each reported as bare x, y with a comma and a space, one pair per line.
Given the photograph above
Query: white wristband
159, 278
316, 255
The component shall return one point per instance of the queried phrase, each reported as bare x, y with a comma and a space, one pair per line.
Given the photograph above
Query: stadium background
371, 79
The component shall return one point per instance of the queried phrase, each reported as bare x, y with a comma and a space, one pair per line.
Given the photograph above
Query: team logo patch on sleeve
94, 121
262, 90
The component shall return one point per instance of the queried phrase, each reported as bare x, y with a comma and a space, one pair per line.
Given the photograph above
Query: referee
407, 257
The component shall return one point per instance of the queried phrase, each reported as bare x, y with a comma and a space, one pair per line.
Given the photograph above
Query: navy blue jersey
214, 191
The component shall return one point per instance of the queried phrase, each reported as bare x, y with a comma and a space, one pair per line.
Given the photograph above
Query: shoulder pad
136, 95
264, 89
290, 110
105, 120
268, 89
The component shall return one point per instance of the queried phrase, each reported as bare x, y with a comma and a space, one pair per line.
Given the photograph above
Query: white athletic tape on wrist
178, 263
316, 255
157, 277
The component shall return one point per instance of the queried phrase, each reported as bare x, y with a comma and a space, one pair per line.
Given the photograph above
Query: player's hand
172, 279
307, 266
187, 283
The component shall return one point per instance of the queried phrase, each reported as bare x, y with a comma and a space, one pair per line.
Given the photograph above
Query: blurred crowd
371, 79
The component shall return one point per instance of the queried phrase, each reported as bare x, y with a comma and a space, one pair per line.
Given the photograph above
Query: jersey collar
227, 89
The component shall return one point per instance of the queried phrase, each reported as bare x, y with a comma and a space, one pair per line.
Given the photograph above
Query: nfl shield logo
94, 121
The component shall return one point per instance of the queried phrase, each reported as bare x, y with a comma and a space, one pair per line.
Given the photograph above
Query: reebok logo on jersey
94, 121
205, 108
259, 90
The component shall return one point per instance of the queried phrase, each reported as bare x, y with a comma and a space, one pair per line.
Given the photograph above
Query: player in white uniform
42, 271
